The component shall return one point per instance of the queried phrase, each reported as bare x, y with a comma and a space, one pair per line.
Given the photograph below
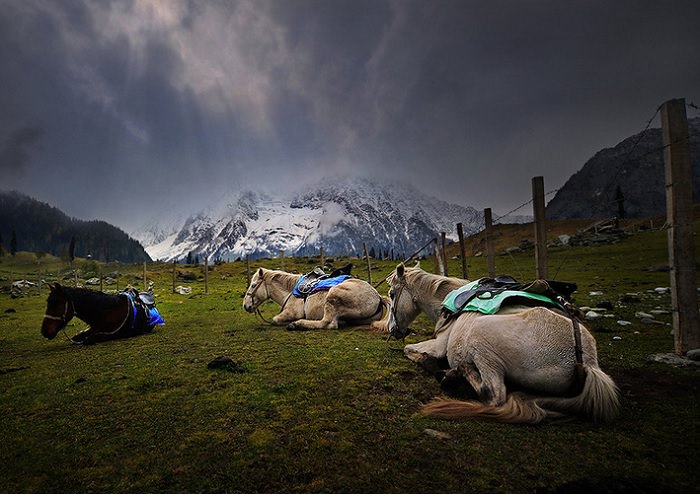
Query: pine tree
13, 243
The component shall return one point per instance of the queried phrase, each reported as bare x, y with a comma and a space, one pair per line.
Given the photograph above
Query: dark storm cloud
15, 152
177, 101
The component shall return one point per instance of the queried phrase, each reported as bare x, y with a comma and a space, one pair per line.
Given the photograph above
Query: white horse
353, 302
529, 349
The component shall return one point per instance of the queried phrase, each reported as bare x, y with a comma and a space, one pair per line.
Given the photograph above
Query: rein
252, 293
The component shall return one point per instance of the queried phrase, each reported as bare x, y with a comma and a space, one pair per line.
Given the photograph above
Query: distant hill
39, 227
636, 166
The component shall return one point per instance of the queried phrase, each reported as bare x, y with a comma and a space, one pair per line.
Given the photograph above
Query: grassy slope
325, 411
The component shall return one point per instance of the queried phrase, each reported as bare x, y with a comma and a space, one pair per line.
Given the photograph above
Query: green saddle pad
489, 301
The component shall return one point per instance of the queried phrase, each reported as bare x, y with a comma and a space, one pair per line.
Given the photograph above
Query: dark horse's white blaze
354, 302
531, 348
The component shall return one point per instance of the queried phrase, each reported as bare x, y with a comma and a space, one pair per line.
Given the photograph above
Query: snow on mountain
339, 215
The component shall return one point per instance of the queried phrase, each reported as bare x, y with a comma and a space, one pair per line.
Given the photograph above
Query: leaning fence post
490, 254
443, 239
462, 250
679, 216
540, 227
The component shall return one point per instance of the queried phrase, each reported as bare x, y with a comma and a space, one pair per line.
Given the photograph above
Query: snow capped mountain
339, 215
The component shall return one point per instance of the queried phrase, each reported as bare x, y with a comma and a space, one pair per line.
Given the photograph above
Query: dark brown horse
108, 316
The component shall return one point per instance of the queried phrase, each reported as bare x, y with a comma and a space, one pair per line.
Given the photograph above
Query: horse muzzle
250, 305
49, 329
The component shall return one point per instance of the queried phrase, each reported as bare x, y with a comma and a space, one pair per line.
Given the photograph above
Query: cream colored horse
354, 302
531, 349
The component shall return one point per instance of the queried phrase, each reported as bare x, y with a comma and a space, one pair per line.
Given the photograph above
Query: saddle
487, 294
147, 302
319, 280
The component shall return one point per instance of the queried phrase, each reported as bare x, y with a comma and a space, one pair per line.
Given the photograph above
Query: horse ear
260, 272
54, 287
400, 270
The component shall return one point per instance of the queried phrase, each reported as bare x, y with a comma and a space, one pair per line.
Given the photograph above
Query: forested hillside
30, 225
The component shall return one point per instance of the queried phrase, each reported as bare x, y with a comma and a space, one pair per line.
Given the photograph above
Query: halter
396, 298
252, 291
64, 317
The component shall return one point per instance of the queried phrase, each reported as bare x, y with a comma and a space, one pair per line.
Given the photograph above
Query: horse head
257, 292
59, 311
403, 308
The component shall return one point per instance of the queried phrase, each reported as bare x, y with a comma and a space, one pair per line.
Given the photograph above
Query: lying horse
531, 349
109, 316
353, 302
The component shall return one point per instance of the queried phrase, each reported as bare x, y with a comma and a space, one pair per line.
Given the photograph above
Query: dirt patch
653, 384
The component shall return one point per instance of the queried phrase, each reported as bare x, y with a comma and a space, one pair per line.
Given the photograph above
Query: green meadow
323, 411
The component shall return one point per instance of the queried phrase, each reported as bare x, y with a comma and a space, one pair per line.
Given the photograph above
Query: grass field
323, 411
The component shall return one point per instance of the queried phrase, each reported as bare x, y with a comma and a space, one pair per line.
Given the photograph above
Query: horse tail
381, 325
599, 400
517, 409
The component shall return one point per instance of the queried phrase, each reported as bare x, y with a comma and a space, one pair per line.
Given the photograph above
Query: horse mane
433, 284
288, 280
93, 302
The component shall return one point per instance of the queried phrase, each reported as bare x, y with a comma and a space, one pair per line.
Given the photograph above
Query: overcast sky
108, 107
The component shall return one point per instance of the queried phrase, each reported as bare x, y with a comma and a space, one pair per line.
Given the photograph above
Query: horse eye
391, 293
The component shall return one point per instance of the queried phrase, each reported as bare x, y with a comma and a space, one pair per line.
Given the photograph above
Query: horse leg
330, 319
430, 354
283, 318
488, 383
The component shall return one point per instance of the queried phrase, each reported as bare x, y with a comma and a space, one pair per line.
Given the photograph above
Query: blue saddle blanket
320, 284
152, 315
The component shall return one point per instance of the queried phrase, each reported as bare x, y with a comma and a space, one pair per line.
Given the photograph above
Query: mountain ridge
340, 214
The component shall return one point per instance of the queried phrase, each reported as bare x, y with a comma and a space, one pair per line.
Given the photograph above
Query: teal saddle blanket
481, 296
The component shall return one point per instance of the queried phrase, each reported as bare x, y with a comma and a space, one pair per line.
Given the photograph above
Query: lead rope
257, 310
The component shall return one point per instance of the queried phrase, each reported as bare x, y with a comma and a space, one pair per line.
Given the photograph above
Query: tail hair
598, 401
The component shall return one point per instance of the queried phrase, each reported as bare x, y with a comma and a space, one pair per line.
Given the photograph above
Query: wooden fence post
679, 216
282, 260
443, 238
206, 275
369, 264
490, 254
174, 265
462, 250
145, 281
540, 227
323, 257
247, 268
439, 266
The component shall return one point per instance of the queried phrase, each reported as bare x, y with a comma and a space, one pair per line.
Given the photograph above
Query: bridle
253, 290
256, 306
395, 300
63, 317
